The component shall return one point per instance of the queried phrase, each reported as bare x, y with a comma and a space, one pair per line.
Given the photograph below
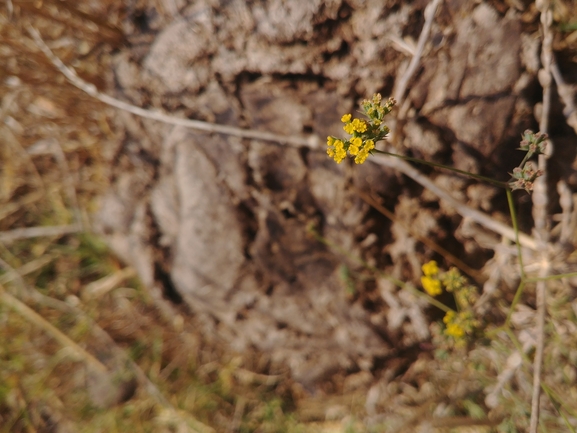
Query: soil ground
247, 286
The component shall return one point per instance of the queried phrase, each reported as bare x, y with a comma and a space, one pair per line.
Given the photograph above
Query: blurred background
108, 327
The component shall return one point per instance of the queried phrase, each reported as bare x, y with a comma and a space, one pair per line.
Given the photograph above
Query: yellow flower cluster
430, 280
364, 133
376, 110
362, 154
454, 328
356, 125
336, 149
457, 323
430, 269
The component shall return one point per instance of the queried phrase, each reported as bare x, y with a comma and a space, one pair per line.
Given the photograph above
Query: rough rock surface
224, 223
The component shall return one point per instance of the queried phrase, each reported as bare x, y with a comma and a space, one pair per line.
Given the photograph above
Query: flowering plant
462, 322
364, 133
526, 173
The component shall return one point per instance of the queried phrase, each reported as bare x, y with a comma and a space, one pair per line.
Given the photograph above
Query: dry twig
312, 141
35, 232
464, 210
567, 95
540, 201
451, 258
104, 285
411, 69
33, 317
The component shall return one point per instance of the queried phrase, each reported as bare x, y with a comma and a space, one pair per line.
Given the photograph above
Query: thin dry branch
464, 210
423, 37
36, 232
69, 183
34, 318
567, 95
451, 258
540, 202
312, 141
10, 8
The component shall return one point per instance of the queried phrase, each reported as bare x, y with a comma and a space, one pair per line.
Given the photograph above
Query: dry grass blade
184, 420
104, 285
33, 317
29, 267
35, 232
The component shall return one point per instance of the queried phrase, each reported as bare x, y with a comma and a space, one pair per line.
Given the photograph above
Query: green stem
525, 159
516, 298
551, 277
558, 403
517, 344
446, 167
521, 287
513, 213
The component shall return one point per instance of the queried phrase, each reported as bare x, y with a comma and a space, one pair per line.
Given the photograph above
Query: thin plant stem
446, 167
551, 277
558, 403
516, 298
513, 213
517, 344
540, 212
464, 210
311, 141
33, 317
521, 286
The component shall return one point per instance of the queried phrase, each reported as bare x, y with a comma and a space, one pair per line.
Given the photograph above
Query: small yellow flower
359, 125
431, 285
336, 149
369, 145
362, 156
357, 141
349, 128
355, 146
455, 330
459, 324
339, 157
340, 152
430, 269
346, 118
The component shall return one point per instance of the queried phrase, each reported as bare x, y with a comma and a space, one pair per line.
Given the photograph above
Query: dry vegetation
85, 349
